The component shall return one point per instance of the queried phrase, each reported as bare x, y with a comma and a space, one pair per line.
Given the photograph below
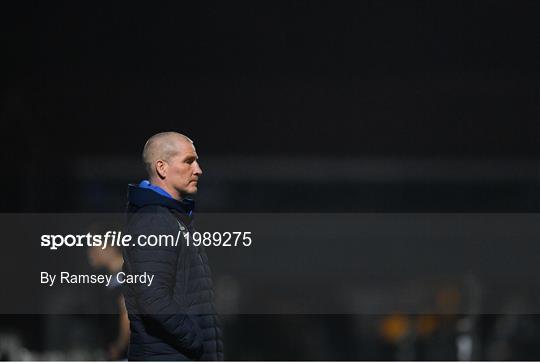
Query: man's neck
175, 194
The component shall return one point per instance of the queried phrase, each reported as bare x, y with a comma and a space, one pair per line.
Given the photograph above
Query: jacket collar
139, 197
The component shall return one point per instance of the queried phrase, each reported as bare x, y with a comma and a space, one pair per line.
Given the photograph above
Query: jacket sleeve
156, 302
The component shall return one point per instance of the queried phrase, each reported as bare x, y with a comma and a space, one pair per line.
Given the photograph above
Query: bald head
162, 146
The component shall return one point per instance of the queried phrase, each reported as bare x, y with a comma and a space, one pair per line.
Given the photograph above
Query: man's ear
161, 169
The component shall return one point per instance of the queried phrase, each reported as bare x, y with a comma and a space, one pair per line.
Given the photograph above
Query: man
110, 259
174, 318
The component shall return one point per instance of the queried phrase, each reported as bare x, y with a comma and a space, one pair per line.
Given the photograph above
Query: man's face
183, 170
98, 257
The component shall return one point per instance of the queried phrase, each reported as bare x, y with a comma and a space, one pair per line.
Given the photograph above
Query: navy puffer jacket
174, 318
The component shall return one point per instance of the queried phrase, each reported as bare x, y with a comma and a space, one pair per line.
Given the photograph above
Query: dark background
382, 79
371, 106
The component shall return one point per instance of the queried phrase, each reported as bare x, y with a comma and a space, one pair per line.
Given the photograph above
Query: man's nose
198, 170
